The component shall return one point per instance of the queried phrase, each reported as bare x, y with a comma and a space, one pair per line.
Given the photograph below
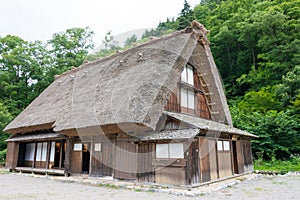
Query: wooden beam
48, 154
34, 155
68, 156
60, 153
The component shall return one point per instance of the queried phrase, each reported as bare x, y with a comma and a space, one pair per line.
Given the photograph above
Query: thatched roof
209, 125
34, 137
168, 135
128, 87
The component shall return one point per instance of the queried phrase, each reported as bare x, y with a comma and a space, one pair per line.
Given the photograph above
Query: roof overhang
205, 124
35, 137
180, 134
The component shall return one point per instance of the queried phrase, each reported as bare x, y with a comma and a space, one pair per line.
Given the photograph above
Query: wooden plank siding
12, 155
145, 157
204, 160
213, 159
172, 103
126, 164
192, 156
102, 161
248, 162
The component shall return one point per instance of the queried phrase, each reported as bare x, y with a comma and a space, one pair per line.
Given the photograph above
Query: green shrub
3, 156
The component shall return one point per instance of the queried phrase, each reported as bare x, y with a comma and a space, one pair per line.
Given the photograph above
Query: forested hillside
255, 43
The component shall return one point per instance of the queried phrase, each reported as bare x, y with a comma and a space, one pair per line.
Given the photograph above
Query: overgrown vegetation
281, 166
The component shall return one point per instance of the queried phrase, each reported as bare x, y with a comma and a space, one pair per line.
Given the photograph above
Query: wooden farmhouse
154, 113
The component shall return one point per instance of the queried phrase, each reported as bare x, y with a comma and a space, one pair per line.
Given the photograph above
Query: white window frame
29, 152
223, 145
187, 74
187, 98
98, 147
77, 147
169, 150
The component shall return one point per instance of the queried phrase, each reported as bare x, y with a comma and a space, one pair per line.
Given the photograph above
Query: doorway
235, 158
86, 158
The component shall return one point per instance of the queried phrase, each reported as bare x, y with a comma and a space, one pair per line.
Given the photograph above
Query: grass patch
282, 166
108, 185
259, 189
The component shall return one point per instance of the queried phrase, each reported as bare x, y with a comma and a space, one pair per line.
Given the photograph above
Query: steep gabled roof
128, 87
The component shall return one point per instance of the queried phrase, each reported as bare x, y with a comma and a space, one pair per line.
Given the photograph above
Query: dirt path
14, 186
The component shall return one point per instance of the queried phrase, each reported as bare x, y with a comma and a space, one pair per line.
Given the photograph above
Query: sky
40, 19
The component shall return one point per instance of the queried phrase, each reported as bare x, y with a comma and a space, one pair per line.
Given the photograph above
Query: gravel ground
15, 186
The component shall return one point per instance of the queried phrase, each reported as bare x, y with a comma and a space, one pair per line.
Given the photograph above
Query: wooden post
61, 153
34, 156
48, 154
68, 158
91, 154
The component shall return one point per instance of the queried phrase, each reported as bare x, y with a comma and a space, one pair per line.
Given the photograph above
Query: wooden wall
204, 160
126, 165
76, 161
102, 161
213, 159
224, 164
12, 155
248, 161
192, 171
170, 175
145, 157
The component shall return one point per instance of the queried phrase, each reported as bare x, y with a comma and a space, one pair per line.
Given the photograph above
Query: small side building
154, 113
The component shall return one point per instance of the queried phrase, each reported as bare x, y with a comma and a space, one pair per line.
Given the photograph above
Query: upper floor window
187, 74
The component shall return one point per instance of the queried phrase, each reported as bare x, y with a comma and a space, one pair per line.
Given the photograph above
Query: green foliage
5, 117
282, 166
186, 16
70, 48
27, 68
130, 40
3, 156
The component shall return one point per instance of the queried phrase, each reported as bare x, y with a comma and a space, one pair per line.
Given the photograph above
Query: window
171, 150
187, 98
77, 147
52, 151
97, 147
187, 74
223, 145
29, 154
41, 151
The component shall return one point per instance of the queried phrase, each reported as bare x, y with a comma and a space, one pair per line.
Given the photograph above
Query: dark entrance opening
59, 156
235, 158
86, 158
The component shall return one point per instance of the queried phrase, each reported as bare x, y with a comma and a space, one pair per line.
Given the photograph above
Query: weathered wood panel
76, 163
239, 157
213, 159
102, 161
248, 164
126, 165
170, 175
224, 161
204, 160
202, 107
12, 155
172, 103
145, 157
192, 157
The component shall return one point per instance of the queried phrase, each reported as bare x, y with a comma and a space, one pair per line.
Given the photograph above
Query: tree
109, 42
186, 16
70, 48
130, 40
22, 65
